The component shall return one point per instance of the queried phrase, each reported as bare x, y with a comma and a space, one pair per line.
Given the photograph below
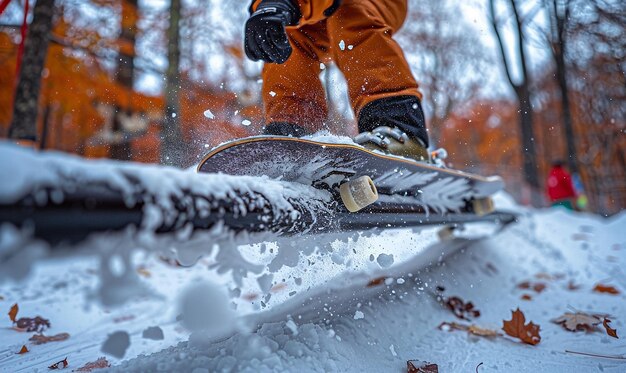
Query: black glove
266, 37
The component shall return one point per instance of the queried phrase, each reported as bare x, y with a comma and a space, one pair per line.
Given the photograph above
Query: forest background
510, 86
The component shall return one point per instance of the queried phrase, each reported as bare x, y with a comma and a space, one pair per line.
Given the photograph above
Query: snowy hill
359, 302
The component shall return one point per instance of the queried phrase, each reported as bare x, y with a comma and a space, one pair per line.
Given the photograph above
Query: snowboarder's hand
266, 37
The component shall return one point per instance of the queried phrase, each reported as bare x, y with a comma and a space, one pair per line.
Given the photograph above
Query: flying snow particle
116, 344
292, 326
209, 115
322, 66
154, 332
342, 45
350, 47
246, 122
414, 106
265, 282
359, 315
173, 115
393, 350
385, 260
272, 93
205, 306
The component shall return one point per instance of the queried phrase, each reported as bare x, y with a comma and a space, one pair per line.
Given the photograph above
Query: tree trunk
560, 19
25, 108
171, 137
125, 74
522, 91
528, 138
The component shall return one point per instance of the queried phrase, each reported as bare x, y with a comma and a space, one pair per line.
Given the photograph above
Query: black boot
394, 125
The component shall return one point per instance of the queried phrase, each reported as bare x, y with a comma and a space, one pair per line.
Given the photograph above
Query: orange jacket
312, 11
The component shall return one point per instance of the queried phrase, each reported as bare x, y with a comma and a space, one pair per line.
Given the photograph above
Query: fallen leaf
143, 271
524, 285
36, 324
13, 312
526, 297
416, 366
544, 276
472, 329
98, 364
610, 331
538, 287
476, 330
376, 282
23, 350
39, 339
59, 365
517, 328
599, 288
578, 321
462, 310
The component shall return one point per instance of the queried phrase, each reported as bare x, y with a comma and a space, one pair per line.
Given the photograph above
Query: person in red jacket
560, 188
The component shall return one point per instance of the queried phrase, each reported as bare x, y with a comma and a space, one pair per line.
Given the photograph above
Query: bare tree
125, 75
171, 137
596, 61
24, 122
559, 16
521, 87
446, 58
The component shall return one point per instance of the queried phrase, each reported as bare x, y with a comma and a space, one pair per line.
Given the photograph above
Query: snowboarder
294, 37
560, 188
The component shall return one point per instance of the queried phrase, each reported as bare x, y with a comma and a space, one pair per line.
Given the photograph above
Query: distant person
560, 187
295, 37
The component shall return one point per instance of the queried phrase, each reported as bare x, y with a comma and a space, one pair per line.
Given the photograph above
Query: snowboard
362, 180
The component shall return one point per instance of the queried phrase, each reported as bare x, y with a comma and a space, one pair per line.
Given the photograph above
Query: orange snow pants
358, 38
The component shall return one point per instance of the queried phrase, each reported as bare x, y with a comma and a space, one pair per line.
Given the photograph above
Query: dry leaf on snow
59, 365
517, 328
472, 329
538, 287
462, 310
143, 271
23, 350
416, 366
98, 364
35, 324
578, 321
610, 331
608, 289
39, 339
13, 312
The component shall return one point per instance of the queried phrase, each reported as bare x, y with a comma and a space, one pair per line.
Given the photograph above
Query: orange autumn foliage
76, 83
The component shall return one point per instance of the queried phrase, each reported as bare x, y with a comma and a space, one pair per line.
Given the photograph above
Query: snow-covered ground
346, 326
357, 302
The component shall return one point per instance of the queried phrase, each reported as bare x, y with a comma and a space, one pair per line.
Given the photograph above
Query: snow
286, 304
209, 114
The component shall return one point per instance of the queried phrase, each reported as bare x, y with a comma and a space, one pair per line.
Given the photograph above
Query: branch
496, 30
